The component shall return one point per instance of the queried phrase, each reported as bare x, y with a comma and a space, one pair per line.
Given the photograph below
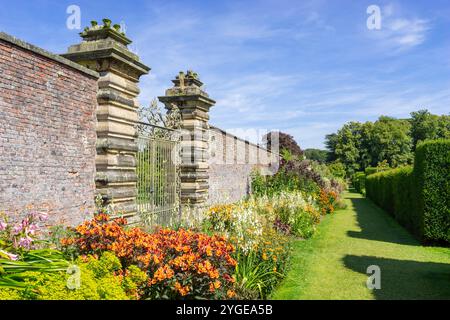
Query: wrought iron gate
158, 183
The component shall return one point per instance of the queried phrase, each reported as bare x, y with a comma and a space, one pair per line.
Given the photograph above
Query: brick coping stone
22, 44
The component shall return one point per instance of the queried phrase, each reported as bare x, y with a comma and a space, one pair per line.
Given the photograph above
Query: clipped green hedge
359, 182
371, 170
432, 170
419, 197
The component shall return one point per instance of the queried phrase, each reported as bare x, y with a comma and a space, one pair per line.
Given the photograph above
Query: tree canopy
317, 155
360, 145
427, 126
286, 142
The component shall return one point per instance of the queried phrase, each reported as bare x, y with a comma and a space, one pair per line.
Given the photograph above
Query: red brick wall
47, 136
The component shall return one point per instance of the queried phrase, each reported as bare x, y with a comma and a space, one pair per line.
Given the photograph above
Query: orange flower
162, 254
231, 294
163, 273
182, 290
209, 251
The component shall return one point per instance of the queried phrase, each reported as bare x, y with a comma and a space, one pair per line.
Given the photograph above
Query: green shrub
382, 166
419, 197
304, 224
337, 169
405, 208
359, 182
370, 170
98, 281
261, 269
432, 170
393, 190
282, 181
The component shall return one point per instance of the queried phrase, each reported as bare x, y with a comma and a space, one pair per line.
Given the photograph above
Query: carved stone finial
106, 31
181, 78
106, 23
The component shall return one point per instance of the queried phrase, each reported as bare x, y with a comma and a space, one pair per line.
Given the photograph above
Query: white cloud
407, 33
399, 32
237, 56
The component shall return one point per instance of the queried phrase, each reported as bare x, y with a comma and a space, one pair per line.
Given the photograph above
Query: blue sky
303, 67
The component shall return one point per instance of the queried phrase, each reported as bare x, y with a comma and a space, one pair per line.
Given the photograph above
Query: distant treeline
393, 141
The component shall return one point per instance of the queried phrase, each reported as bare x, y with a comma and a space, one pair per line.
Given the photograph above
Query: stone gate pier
194, 104
104, 49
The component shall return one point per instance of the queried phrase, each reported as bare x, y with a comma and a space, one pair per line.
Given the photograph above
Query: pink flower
3, 226
32, 229
18, 228
25, 242
13, 257
10, 256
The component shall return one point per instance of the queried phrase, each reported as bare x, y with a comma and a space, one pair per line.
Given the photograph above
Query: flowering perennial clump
179, 264
327, 201
20, 236
239, 221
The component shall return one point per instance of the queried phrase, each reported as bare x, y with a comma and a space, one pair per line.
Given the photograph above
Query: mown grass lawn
333, 264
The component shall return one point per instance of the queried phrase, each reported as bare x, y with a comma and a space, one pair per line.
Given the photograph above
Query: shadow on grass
377, 225
404, 279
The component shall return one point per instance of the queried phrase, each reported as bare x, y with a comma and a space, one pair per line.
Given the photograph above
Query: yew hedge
418, 197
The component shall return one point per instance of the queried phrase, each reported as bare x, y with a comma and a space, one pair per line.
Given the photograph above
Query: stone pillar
104, 49
194, 104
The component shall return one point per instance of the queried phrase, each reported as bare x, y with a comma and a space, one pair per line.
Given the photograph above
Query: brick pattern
230, 166
47, 136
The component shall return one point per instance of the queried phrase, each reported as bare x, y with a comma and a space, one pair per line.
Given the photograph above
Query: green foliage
316, 155
281, 181
333, 264
304, 223
9, 294
418, 198
390, 140
43, 261
260, 270
394, 191
432, 169
345, 146
286, 155
359, 182
382, 166
427, 126
337, 169
362, 145
370, 170
404, 205
97, 281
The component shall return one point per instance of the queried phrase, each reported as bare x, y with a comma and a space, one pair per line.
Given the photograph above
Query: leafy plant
42, 261
99, 279
260, 270
179, 264
418, 197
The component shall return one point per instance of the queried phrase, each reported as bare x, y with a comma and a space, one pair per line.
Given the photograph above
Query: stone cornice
181, 97
108, 53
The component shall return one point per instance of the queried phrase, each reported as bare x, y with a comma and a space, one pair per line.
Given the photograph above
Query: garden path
333, 264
